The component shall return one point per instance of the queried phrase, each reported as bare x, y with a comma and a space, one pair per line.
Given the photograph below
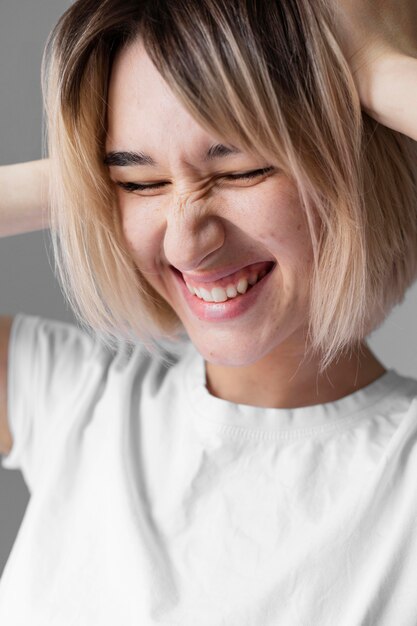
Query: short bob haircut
270, 77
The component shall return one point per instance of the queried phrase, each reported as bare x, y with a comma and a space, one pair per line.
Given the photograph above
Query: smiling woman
205, 75
218, 197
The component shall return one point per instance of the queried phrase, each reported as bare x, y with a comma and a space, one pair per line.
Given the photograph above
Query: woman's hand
379, 41
370, 29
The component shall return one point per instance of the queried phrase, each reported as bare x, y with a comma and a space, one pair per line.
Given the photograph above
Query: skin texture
200, 221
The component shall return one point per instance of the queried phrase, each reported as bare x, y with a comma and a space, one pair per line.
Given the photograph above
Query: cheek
142, 242
141, 237
284, 229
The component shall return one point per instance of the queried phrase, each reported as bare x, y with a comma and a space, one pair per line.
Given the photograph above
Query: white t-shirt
153, 502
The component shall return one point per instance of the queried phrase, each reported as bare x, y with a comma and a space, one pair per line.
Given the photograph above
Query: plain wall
27, 282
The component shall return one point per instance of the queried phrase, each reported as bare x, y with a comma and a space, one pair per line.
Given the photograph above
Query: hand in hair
379, 41
369, 29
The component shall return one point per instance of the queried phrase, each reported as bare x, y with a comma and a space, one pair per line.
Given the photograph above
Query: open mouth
231, 288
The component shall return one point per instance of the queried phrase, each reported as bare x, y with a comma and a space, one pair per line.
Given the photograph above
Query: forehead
135, 82
142, 108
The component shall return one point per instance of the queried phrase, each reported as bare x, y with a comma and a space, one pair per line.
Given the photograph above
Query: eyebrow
125, 159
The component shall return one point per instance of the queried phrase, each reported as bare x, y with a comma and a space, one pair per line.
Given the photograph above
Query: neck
279, 381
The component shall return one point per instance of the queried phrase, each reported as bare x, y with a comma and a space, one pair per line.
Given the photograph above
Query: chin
230, 356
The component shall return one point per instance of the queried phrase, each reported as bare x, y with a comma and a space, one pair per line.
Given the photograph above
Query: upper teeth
218, 294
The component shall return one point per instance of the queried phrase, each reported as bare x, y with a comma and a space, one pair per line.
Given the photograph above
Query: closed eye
130, 187
249, 175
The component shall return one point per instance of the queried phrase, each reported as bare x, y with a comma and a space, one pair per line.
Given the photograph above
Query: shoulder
66, 355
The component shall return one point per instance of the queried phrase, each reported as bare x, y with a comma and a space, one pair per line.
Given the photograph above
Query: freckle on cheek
299, 227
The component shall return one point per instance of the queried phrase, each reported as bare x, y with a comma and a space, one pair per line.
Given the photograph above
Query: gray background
27, 282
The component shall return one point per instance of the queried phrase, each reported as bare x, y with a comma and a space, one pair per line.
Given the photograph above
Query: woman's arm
389, 95
6, 439
379, 41
23, 197
23, 200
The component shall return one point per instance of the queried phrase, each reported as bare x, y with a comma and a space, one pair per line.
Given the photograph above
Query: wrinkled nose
191, 235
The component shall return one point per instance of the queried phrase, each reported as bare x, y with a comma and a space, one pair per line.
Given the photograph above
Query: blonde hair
271, 78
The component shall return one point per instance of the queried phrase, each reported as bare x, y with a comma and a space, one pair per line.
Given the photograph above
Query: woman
213, 178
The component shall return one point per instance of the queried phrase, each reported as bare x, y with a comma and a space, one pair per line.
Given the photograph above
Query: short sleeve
53, 369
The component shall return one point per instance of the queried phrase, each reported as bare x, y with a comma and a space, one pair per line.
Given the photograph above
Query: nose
192, 234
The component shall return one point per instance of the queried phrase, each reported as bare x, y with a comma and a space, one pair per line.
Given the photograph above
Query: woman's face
198, 222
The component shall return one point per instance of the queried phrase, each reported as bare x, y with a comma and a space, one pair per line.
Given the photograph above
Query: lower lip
218, 311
